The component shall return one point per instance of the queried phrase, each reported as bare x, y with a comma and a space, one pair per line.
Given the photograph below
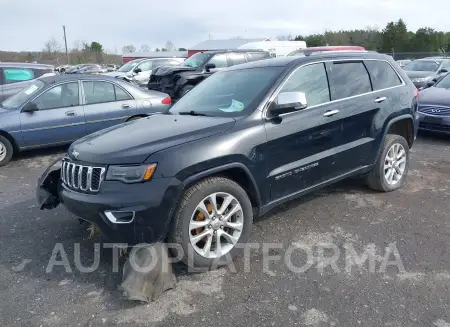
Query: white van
276, 48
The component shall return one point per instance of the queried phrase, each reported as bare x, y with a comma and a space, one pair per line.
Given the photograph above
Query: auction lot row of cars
253, 134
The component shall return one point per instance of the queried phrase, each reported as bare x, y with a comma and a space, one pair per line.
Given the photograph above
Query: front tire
391, 168
212, 218
6, 151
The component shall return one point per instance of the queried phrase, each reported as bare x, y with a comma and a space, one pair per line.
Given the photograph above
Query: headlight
131, 174
422, 79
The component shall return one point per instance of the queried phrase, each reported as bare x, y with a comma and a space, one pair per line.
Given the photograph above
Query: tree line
394, 38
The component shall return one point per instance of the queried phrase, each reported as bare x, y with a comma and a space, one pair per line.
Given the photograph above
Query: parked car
139, 71
178, 81
62, 69
111, 67
403, 63
60, 109
434, 107
245, 140
92, 69
316, 50
14, 76
77, 68
421, 71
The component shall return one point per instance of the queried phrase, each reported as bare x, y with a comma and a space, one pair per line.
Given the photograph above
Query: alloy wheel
3, 151
394, 164
216, 225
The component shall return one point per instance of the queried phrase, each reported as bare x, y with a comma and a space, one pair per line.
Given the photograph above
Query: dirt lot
415, 219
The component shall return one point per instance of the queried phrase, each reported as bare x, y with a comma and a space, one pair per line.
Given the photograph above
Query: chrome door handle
330, 113
71, 113
126, 106
379, 100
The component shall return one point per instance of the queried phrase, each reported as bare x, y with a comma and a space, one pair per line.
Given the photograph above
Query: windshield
128, 66
197, 60
444, 82
423, 66
229, 93
23, 96
299, 53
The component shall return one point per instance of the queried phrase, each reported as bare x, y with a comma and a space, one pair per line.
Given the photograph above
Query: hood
115, 74
133, 142
435, 96
168, 70
413, 74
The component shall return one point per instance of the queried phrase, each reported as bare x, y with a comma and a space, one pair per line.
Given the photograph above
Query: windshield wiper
192, 113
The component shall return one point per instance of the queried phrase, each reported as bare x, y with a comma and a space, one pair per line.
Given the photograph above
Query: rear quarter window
349, 79
14, 75
254, 56
382, 74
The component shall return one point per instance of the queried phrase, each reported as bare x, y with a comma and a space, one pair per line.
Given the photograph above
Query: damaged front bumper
47, 189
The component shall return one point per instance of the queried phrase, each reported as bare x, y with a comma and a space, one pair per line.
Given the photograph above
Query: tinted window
311, 80
236, 58
446, 65
146, 65
220, 60
254, 56
349, 79
121, 94
98, 92
40, 72
61, 96
382, 74
14, 75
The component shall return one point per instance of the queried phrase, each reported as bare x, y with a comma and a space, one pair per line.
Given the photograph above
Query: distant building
153, 54
217, 45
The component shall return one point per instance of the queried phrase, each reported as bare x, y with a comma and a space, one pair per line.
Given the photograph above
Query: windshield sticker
31, 89
235, 107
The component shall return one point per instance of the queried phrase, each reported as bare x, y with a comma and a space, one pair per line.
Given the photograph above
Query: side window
220, 60
146, 66
14, 75
61, 96
311, 80
382, 74
446, 65
121, 95
98, 92
236, 58
254, 56
349, 79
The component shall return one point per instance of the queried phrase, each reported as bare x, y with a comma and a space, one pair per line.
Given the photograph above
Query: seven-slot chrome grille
82, 177
435, 110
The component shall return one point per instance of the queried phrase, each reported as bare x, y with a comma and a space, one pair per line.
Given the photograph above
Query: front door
300, 147
105, 104
59, 119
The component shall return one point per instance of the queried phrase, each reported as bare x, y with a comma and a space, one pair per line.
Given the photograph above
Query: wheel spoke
196, 238
218, 245
236, 226
230, 238
213, 200
226, 202
401, 154
198, 224
232, 212
202, 208
207, 248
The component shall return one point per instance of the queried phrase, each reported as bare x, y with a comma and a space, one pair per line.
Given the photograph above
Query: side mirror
443, 70
210, 66
137, 70
30, 107
288, 102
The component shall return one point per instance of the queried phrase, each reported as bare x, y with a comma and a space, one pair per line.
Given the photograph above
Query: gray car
60, 109
14, 76
424, 70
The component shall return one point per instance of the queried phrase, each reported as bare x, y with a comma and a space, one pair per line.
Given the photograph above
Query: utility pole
65, 42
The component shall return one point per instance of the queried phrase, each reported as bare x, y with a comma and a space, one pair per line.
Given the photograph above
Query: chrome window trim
277, 91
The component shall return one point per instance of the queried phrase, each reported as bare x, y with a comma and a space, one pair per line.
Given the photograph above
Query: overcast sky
28, 24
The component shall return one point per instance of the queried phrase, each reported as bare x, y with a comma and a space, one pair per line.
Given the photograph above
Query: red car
313, 50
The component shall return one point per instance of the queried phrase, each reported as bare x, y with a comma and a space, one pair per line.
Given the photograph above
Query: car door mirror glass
443, 70
30, 107
431, 83
210, 66
288, 102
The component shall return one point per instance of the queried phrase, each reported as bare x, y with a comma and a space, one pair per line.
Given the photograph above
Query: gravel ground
414, 290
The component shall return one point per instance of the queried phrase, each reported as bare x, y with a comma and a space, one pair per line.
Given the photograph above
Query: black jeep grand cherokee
179, 80
250, 137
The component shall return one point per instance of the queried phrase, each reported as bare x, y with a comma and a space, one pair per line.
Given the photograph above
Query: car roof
75, 77
234, 50
334, 47
293, 60
25, 65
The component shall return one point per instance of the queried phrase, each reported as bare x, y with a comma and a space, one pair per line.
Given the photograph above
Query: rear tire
391, 168
227, 226
6, 151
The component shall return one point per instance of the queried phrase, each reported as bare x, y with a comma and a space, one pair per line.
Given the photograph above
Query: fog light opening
120, 217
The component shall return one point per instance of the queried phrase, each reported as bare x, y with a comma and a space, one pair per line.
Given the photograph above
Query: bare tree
169, 46
51, 48
128, 48
284, 37
144, 48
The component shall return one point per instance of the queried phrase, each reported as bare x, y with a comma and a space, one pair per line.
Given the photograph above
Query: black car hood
435, 96
168, 70
133, 142
414, 74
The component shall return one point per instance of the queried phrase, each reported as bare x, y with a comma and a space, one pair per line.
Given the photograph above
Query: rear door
105, 104
351, 86
59, 119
